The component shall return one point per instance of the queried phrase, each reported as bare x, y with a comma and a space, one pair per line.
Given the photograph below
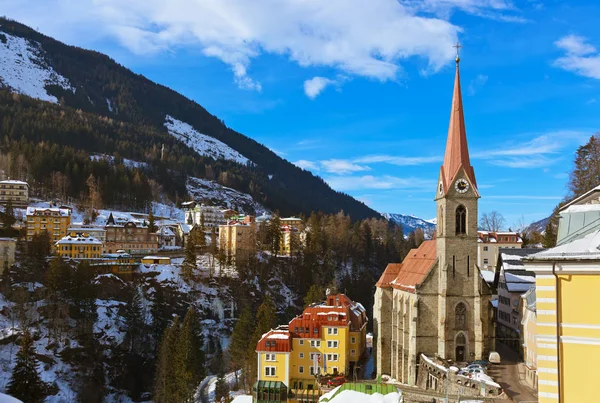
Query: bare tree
493, 221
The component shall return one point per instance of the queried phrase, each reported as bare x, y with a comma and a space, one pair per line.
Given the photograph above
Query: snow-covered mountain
24, 70
201, 143
205, 190
409, 223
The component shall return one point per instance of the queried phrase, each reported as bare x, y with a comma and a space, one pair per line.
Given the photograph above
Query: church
435, 302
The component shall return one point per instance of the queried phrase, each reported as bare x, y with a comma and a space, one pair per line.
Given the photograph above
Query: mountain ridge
92, 83
410, 223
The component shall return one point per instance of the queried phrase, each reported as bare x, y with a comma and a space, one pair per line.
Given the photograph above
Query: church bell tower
459, 301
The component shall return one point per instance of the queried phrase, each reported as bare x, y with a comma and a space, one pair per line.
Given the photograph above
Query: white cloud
315, 85
398, 160
338, 166
476, 83
384, 182
351, 36
581, 58
308, 165
502, 10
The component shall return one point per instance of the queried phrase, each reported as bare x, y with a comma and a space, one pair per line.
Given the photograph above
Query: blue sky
359, 92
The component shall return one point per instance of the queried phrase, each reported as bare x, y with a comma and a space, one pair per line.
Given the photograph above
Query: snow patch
202, 189
24, 70
201, 143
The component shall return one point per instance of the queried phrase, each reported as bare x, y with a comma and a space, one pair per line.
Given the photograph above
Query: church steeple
457, 150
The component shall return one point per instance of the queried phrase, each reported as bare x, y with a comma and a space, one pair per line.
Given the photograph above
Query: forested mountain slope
94, 105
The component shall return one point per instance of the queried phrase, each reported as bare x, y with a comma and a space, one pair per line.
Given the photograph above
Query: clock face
461, 186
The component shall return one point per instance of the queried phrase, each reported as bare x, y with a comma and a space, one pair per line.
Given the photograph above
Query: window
332, 343
270, 357
485, 261
301, 355
353, 352
332, 330
353, 340
461, 339
461, 220
301, 369
301, 342
269, 371
461, 313
315, 343
312, 370
485, 248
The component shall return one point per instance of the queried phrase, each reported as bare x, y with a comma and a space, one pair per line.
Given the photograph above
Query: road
507, 375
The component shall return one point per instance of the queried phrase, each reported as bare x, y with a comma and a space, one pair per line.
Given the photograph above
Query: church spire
457, 150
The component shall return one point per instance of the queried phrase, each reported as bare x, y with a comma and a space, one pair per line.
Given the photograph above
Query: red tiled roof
413, 269
277, 340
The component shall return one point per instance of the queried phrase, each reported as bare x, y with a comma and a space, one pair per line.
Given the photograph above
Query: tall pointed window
461, 220
461, 316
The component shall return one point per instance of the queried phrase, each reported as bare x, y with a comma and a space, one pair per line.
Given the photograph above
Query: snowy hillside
201, 143
202, 189
538, 226
24, 70
410, 223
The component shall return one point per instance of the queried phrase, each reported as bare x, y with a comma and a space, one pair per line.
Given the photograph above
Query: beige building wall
489, 243
8, 247
236, 240
15, 191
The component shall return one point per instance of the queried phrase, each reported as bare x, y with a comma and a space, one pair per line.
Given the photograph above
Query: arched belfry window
440, 222
461, 220
461, 340
461, 316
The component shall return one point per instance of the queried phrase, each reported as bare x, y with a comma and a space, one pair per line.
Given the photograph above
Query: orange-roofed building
327, 338
436, 302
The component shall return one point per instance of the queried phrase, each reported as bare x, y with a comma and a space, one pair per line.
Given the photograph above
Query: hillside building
79, 246
290, 241
568, 325
95, 232
237, 241
166, 237
436, 302
489, 243
213, 215
17, 192
55, 221
327, 338
8, 247
129, 237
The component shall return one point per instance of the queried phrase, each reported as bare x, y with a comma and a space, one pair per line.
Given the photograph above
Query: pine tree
164, 387
314, 294
25, 382
202, 228
189, 263
151, 225
241, 339
221, 389
160, 315
549, 237
134, 323
266, 319
188, 358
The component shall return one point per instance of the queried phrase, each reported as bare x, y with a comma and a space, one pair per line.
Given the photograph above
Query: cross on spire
457, 47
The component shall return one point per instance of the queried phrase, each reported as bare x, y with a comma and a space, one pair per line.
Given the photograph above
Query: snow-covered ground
24, 70
111, 159
201, 143
202, 189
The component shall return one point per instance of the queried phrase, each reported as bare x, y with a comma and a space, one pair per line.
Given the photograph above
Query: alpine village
150, 253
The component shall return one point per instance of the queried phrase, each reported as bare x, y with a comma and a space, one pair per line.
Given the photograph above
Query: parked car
494, 357
333, 382
475, 366
474, 371
483, 363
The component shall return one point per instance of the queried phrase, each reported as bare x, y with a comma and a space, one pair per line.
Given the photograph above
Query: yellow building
53, 220
529, 336
568, 325
7, 253
291, 221
326, 339
237, 241
79, 246
156, 260
289, 241
17, 192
